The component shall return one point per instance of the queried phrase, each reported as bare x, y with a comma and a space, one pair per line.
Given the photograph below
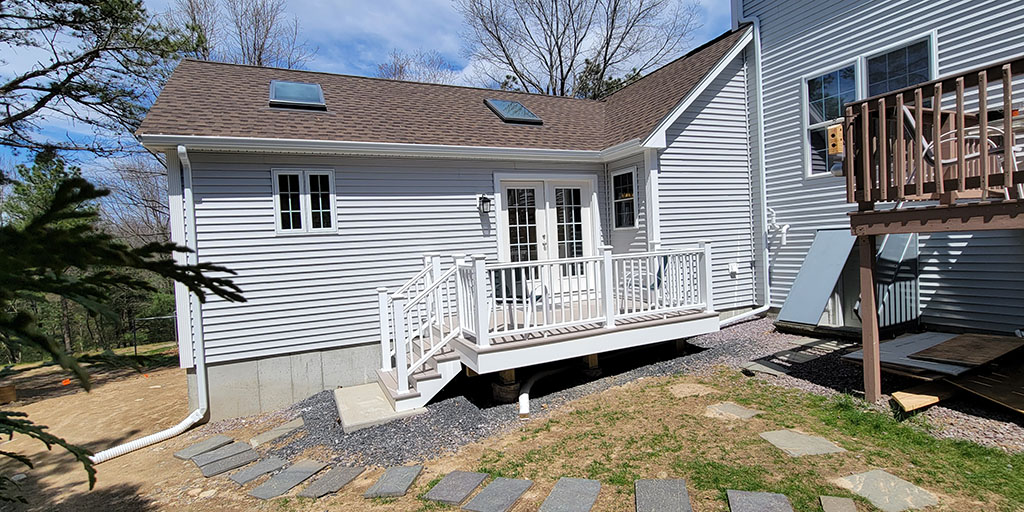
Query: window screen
320, 201
289, 201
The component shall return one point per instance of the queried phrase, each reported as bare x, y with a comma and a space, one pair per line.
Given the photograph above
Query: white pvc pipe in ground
202, 392
524, 391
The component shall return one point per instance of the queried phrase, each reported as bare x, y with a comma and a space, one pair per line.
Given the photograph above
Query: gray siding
803, 36
626, 239
316, 291
706, 187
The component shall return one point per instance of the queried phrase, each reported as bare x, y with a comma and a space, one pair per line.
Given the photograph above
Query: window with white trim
826, 95
624, 199
304, 201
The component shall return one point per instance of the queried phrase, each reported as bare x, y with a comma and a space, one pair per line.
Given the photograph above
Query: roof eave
165, 142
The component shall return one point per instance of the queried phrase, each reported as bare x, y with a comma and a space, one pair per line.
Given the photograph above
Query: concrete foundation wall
242, 388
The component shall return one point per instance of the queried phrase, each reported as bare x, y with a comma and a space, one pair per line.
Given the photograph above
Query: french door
546, 220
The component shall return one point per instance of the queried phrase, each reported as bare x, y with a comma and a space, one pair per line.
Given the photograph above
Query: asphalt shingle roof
228, 100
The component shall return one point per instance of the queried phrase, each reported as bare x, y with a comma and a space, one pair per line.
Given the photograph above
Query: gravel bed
453, 422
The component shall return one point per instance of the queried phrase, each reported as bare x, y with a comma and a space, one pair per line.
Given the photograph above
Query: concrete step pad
284, 481
208, 444
745, 501
499, 496
455, 487
220, 453
888, 492
834, 504
394, 482
667, 495
730, 411
276, 432
257, 470
798, 444
228, 463
331, 482
572, 495
366, 406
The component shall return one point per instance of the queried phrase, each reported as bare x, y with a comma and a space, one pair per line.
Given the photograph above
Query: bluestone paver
834, 504
208, 444
797, 444
228, 463
455, 487
331, 482
284, 481
888, 492
257, 470
730, 411
746, 501
572, 495
394, 482
499, 495
666, 495
276, 432
220, 453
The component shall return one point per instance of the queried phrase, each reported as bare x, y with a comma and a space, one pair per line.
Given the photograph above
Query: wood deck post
401, 370
480, 296
385, 334
869, 320
607, 287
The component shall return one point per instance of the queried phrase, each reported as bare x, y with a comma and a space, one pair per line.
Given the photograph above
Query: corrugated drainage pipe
202, 392
524, 391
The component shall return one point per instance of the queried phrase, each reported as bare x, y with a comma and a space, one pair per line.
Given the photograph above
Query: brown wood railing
899, 147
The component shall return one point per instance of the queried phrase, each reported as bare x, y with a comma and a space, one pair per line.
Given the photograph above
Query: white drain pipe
524, 391
202, 390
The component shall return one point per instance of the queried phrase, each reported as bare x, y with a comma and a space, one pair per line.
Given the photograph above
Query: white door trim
595, 210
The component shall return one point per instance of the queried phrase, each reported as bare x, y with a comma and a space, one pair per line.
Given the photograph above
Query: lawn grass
642, 431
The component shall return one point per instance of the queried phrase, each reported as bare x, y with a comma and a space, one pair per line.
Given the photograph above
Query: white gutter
160, 142
202, 388
762, 181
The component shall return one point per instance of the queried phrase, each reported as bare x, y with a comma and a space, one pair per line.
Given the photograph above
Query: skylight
513, 112
296, 95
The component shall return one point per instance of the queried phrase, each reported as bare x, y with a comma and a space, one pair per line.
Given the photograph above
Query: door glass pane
569, 226
522, 224
288, 201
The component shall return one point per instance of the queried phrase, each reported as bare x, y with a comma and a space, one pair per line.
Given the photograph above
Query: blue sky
353, 36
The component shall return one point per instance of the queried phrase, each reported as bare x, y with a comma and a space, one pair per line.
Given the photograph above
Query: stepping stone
572, 495
667, 495
764, 367
228, 463
499, 496
395, 482
257, 470
834, 504
220, 453
797, 444
332, 482
888, 492
284, 481
203, 446
730, 411
276, 432
794, 357
745, 501
686, 389
455, 487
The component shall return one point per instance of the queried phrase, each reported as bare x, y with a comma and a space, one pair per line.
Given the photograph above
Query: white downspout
762, 182
202, 389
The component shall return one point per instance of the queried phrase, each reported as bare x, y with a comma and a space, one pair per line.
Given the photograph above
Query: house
396, 232
463, 227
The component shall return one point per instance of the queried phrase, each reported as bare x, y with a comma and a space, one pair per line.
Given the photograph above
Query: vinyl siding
706, 187
800, 37
627, 239
315, 291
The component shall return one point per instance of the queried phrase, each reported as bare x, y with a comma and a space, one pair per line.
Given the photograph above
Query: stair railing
424, 324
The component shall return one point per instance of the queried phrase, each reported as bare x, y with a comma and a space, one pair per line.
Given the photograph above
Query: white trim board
611, 198
657, 139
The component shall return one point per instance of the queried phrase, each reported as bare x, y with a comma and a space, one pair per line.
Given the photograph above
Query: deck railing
481, 301
952, 138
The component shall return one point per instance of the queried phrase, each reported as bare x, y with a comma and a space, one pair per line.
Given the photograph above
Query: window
296, 95
512, 112
304, 201
826, 95
624, 198
899, 68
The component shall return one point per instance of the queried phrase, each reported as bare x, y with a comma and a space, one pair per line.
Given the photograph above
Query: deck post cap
382, 289
479, 256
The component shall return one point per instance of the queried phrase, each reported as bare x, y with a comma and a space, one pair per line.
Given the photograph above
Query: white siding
799, 37
316, 291
705, 184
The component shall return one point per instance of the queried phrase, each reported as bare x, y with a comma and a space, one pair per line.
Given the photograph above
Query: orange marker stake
65, 382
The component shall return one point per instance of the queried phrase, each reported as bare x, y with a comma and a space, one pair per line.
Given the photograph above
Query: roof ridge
391, 80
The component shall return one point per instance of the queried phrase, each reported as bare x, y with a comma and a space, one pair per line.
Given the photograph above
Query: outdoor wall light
483, 203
